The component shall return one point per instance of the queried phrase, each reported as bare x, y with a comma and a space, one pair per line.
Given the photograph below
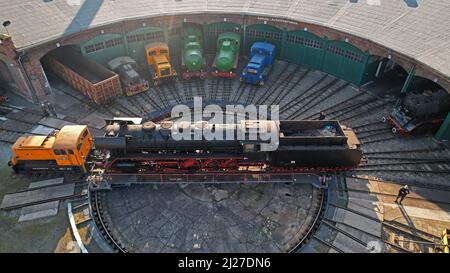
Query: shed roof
416, 28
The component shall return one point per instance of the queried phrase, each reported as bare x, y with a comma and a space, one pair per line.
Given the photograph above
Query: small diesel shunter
64, 150
261, 60
158, 61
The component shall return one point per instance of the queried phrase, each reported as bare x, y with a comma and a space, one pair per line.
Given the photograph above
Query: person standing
402, 193
321, 116
51, 109
44, 110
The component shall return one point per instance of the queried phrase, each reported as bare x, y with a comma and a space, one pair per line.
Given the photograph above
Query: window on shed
140, 37
99, 46
89, 48
131, 38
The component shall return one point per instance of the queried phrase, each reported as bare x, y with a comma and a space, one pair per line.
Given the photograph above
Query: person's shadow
410, 224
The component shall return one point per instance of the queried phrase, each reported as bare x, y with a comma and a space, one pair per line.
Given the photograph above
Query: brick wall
11, 73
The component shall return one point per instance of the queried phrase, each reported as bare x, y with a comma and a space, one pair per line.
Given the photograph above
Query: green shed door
137, 39
212, 31
345, 61
263, 33
304, 48
104, 48
174, 36
443, 134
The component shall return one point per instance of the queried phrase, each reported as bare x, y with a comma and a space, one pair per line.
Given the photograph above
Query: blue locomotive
261, 60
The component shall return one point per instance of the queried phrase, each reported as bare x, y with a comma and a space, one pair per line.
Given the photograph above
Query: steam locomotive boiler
255, 146
420, 112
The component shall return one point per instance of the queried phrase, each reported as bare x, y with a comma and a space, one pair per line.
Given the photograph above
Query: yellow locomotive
64, 150
158, 61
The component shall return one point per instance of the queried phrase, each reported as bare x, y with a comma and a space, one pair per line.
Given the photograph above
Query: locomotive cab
158, 60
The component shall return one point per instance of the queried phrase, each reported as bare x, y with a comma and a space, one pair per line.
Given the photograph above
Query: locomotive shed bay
350, 60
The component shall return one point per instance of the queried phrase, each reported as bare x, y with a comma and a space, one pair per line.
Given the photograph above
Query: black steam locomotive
130, 147
419, 112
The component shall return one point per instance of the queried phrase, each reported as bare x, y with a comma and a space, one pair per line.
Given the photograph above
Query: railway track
241, 92
161, 96
322, 83
341, 106
415, 161
288, 87
319, 209
149, 100
237, 94
418, 184
227, 90
376, 136
124, 109
173, 89
214, 86
301, 97
137, 104
318, 98
200, 88
188, 91
275, 81
98, 214
252, 90
402, 238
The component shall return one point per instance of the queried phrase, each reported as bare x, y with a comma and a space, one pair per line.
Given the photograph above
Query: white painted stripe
74, 229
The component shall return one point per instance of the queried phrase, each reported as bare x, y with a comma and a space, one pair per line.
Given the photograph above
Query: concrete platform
39, 211
54, 122
429, 214
42, 130
96, 120
389, 189
48, 182
38, 195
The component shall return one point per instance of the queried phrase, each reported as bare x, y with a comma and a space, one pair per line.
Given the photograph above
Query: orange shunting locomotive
65, 150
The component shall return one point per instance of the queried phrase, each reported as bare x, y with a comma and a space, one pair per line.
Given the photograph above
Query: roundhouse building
353, 40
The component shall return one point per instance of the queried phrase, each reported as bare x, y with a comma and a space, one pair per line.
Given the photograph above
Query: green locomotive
227, 56
193, 62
